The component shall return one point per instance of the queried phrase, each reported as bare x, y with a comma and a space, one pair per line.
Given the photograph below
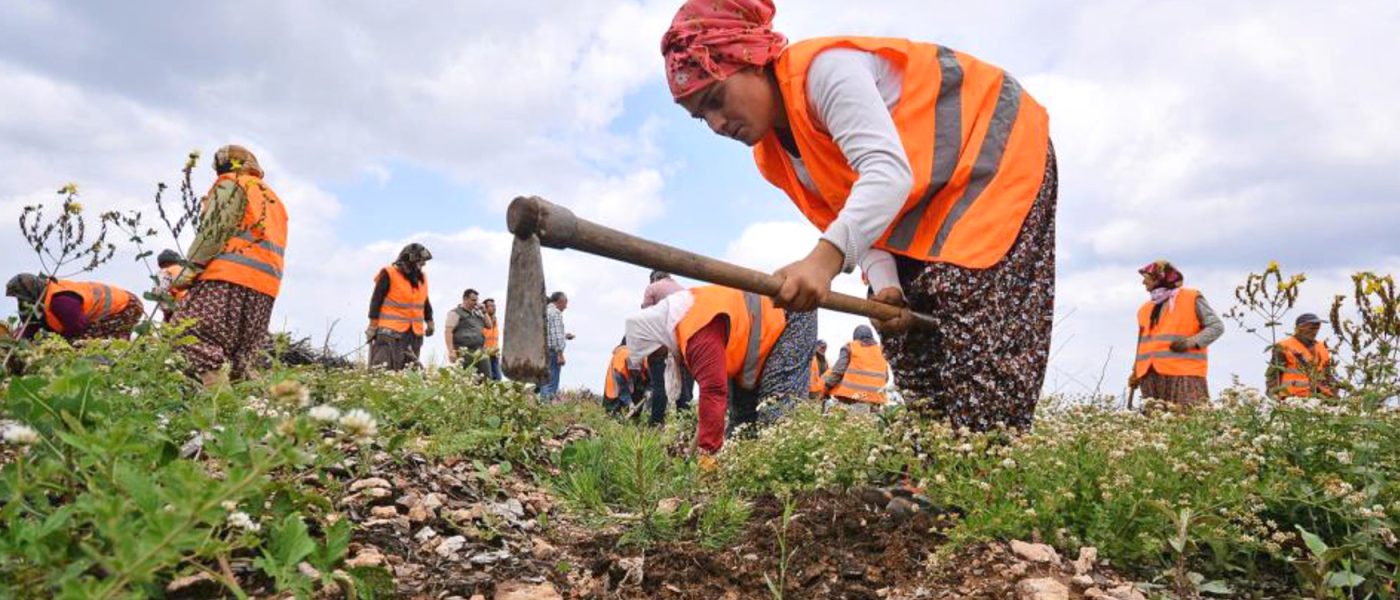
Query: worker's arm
450, 325
381, 290
704, 355
67, 309
218, 221
1211, 325
838, 370
428, 316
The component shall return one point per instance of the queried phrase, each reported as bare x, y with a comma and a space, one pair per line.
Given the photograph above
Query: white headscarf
655, 327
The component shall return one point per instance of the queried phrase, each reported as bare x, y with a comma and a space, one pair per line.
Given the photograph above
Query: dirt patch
840, 548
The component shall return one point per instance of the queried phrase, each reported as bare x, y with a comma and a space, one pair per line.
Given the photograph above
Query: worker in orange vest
1174, 328
234, 268
929, 169
493, 338
1301, 366
739, 347
76, 310
816, 386
624, 382
857, 380
400, 314
171, 269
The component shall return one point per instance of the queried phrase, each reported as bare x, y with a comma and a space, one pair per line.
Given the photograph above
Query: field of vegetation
123, 478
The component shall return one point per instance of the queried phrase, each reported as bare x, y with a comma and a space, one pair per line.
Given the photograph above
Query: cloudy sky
1219, 135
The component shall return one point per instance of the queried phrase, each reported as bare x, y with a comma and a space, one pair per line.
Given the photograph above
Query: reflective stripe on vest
253, 256
1176, 322
748, 377
976, 142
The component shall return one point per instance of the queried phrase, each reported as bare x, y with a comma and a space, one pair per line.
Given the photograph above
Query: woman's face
744, 107
1149, 282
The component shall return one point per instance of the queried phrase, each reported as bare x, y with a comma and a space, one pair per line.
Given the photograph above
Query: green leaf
1342, 579
291, 543
329, 555
1314, 543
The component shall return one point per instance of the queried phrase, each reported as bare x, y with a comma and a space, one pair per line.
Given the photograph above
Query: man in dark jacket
466, 339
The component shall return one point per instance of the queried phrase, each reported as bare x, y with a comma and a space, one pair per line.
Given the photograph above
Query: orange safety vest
1177, 322
173, 272
618, 377
252, 257
866, 373
815, 385
403, 307
99, 300
754, 327
976, 141
492, 334
1300, 365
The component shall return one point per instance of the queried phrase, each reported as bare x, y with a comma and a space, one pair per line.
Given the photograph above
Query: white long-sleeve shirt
850, 94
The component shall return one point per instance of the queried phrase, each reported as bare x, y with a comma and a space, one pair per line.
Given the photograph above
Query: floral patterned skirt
117, 326
983, 364
1177, 392
230, 324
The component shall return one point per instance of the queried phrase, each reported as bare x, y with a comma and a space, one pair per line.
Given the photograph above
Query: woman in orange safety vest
400, 314
234, 269
76, 310
929, 169
1174, 328
858, 378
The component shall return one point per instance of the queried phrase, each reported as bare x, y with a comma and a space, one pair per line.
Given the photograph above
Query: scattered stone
383, 512
432, 501
394, 523
1036, 553
425, 534
668, 506
1017, 570
1088, 555
486, 558
1082, 581
367, 557
450, 546
306, 569
372, 482
519, 590
633, 571
420, 513
408, 500
478, 597
542, 550
1043, 588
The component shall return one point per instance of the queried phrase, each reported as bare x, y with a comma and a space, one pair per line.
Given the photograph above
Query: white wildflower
20, 435
290, 393
324, 413
359, 425
1008, 464
241, 520
229, 505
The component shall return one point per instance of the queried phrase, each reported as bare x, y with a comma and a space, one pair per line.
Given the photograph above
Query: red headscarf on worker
709, 40
1166, 280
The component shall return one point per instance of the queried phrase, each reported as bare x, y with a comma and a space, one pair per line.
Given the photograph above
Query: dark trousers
656, 369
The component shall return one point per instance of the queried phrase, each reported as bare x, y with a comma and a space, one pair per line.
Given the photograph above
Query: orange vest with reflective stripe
173, 272
1177, 322
252, 257
618, 376
1300, 365
865, 376
976, 141
815, 385
492, 334
754, 327
404, 304
99, 300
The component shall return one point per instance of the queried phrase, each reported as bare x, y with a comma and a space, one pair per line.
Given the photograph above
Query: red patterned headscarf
709, 40
1164, 275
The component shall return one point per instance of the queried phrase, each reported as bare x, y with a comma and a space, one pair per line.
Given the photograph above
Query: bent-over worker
76, 310
929, 169
857, 380
739, 347
233, 267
